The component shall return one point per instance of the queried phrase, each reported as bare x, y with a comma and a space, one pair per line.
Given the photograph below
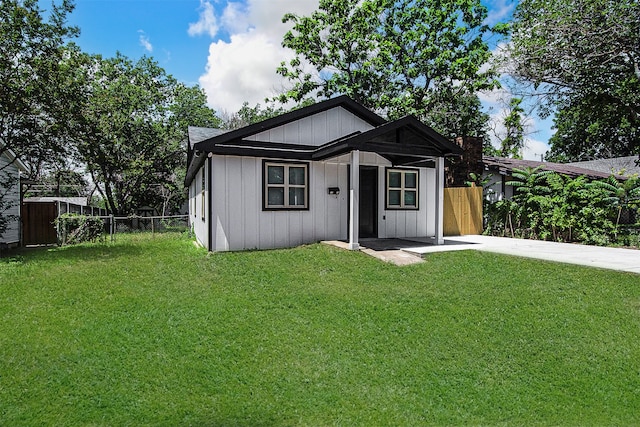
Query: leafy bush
74, 228
549, 206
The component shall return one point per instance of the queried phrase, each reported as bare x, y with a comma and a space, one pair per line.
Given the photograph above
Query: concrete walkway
387, 253
411, 251
570, 253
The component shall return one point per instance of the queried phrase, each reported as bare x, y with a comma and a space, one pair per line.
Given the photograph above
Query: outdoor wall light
334, 190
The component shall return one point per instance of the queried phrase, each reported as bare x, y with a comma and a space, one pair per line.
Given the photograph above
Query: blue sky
155, 28
230, 48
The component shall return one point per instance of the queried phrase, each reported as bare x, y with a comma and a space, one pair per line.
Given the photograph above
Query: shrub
549, 206
74, 228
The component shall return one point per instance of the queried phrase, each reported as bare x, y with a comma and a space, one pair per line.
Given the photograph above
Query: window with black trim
286, 185
402, 189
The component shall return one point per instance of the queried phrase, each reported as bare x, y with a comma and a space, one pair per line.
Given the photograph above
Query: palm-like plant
531, 189
619, 194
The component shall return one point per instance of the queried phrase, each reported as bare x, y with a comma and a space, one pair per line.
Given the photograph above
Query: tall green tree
584, 56
37, 95
512, 143
588, 127
420, 57
248, 115
136, 118
36, 90
61, 182
189, 108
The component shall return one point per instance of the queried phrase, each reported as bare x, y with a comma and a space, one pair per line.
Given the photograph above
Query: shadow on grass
83, 252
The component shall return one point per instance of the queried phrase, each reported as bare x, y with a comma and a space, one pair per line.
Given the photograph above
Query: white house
10, 168
330, 171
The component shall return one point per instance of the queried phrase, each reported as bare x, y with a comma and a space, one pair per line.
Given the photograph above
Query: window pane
296, 175
275, 196
394, 179
409, 198
276, 174
394, 197
410, 179
296, 196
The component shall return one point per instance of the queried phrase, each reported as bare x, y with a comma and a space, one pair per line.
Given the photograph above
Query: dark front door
368, 197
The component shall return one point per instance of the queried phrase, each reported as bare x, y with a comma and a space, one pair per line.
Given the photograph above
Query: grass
151, 330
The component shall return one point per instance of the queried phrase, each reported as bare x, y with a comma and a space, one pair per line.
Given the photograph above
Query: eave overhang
405, 141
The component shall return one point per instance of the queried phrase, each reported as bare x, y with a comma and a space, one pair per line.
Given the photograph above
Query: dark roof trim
340, 101
196, 160
412, 122
396, 152
383, 148
365, 141
400, 141
264, 149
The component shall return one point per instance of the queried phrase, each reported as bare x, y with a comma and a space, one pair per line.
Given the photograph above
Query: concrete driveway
592, 256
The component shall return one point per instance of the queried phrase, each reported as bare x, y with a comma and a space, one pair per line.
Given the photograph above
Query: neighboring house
626, 166
501, 171
330, 171
10, 166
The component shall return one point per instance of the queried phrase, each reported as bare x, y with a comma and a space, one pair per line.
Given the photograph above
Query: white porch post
439, 237
353, 204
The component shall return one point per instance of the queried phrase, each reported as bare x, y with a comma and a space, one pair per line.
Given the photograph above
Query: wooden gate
462, 211
37, 223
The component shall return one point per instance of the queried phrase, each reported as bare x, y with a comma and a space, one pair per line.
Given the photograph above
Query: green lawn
151, 330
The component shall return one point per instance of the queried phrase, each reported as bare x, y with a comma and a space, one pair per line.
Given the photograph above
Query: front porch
405, 251
364, 207
408, 145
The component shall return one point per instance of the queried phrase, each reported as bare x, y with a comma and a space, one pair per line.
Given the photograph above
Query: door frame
375, 203
372, 200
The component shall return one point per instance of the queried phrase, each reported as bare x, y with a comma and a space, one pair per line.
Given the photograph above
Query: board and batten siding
11, 235
316, 129
199, 224
239, 221
402, 223
409, 223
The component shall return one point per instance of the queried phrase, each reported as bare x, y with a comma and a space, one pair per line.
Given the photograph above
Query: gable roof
505, 165
340, 101
199, 134
403, 141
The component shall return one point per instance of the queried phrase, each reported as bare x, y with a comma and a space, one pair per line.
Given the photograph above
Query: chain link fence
139, 224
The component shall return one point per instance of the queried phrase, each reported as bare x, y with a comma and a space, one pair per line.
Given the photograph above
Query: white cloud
500, 11
494, 97
534, 149
244, 67
207, 23
235, 18
241, 70
145, 42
